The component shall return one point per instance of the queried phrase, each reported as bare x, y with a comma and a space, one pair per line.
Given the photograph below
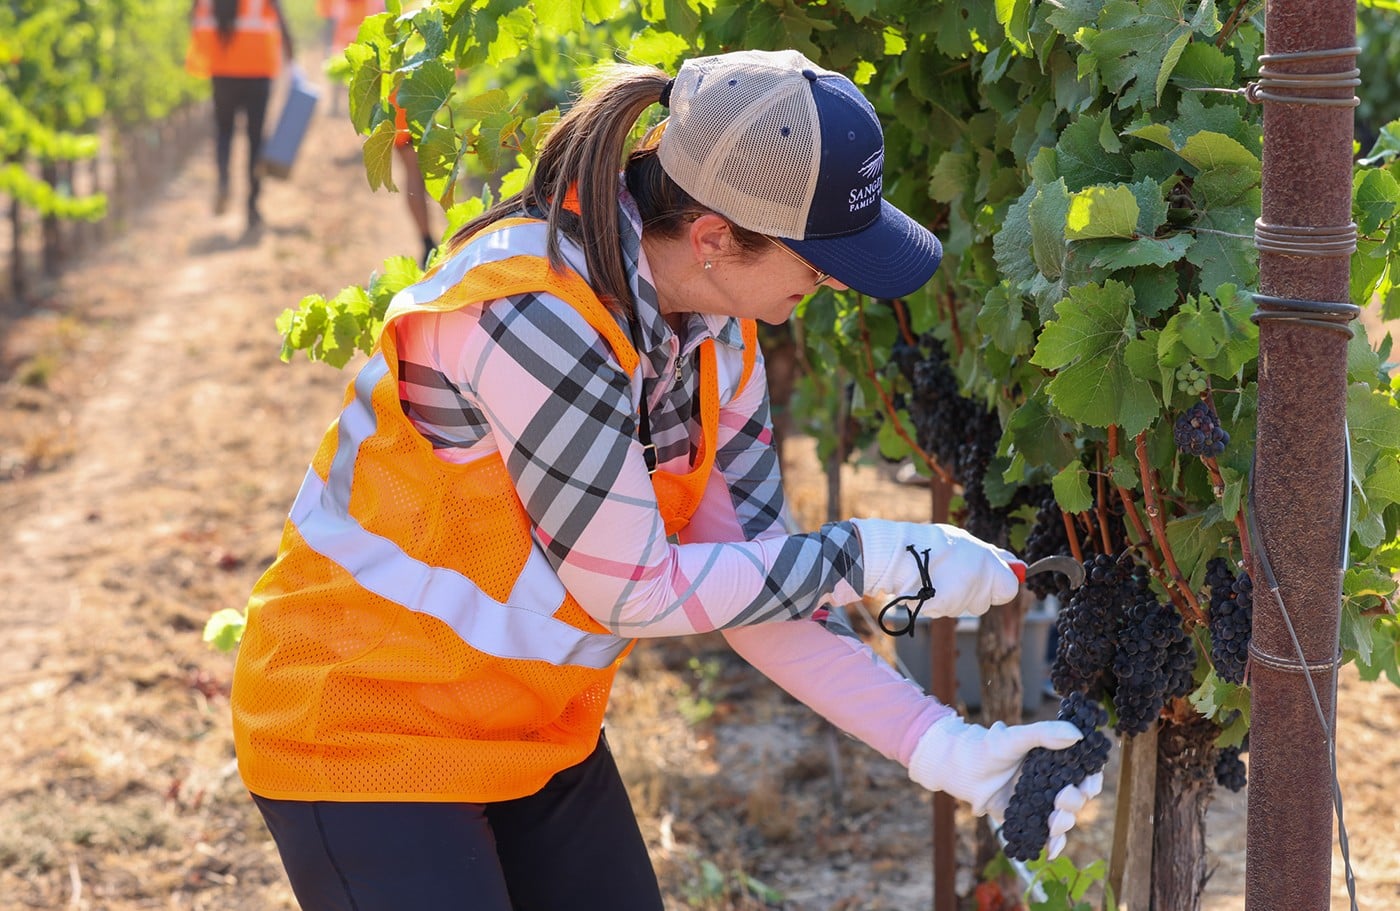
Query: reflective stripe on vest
523, 628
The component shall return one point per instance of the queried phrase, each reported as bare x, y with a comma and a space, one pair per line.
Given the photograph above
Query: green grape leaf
1083, 161
1071, 488
1386, 146
1156, 166
1102, 211
953, 175
660, 49
1155, 288
1194, 539
378, 154
1069, 16
1195, 116
860, 9
224, 629
1038, 436
1203, 65
1152, 206
1123, 472
559, 17
1047, 221
1385, 653
1000, 318
366, 86
1220, 700
515, 31
1375, 199
1202, 330
1011, 245
1207, 150
428, 24
1145, 251
441, 158
1239, 340
1141, 42
601, 11
681, 17
1086, 345
1373, 417
1224, 248
424, 91
1141, 355
1015, 16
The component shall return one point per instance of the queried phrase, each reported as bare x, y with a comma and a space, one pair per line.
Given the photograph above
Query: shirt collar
652, 332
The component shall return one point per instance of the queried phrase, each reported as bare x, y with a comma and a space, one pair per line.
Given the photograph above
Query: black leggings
231, 95
573, 846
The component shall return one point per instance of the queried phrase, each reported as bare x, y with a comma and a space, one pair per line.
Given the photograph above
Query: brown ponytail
585, 149
226, 18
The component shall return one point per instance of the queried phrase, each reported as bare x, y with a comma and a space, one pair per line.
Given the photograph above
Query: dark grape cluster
1198, 432
1117, 642
1229, 768
1087, 627
960, 433
1153, 661
1045, 773
1231, 619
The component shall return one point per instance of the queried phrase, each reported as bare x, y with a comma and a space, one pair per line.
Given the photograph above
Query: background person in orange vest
562, 444
240, 45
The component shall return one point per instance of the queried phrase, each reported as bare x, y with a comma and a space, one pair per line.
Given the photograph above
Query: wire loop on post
1299, 240
1318, 314
1288, 664
1263, 88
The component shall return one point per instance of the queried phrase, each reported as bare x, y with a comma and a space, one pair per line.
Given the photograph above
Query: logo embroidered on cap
874, 164
873, 167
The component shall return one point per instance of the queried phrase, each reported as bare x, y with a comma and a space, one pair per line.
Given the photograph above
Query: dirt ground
150, 444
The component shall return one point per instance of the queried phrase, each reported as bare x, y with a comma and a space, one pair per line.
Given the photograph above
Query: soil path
150, 442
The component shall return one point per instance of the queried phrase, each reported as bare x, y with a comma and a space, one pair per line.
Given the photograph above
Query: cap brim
894, 257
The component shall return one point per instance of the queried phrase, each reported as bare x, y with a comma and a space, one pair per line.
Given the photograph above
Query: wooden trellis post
1305, 237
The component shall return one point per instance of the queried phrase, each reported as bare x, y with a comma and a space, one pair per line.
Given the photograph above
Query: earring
708, 265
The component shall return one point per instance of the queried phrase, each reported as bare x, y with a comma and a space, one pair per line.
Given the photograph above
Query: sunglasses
821, 278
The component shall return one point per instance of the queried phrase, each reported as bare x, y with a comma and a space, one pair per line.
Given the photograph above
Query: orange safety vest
410, 642
253, 50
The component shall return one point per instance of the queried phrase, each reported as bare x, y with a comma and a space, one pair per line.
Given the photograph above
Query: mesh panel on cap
725, 145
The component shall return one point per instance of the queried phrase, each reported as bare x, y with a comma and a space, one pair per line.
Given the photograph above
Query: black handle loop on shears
925, 592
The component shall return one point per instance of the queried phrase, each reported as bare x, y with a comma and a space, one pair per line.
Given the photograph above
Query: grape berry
1198, 432
1045, 773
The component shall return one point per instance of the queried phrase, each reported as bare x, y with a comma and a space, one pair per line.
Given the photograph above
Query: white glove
979, 764
968, 574
1068, 803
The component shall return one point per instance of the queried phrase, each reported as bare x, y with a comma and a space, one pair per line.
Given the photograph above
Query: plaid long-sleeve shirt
527, 377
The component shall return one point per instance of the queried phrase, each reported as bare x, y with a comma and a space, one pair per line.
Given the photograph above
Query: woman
561, 445
240, 44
